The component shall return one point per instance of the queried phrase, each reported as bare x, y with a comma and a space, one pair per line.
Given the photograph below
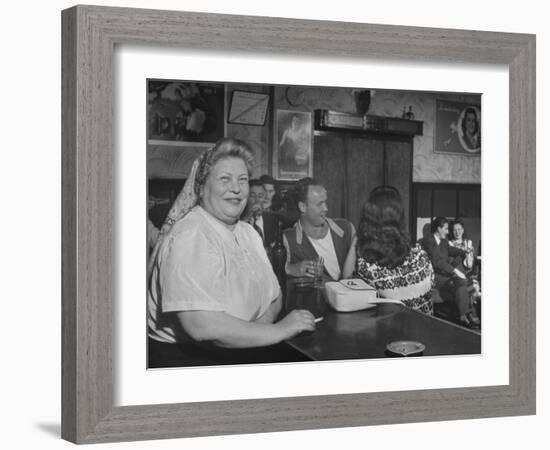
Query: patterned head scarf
185, 201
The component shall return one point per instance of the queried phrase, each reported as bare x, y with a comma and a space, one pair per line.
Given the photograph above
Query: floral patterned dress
411, 281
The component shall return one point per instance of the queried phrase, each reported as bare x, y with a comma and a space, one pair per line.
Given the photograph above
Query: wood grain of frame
89, 37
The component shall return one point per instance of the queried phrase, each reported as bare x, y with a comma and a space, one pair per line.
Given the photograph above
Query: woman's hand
295, 322
459, 274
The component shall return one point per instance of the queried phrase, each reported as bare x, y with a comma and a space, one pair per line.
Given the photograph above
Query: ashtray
405, 348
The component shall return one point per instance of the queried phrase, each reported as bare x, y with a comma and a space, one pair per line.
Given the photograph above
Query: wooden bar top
365, 334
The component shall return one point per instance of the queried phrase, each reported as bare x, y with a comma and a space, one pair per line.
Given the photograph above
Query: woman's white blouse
203, 265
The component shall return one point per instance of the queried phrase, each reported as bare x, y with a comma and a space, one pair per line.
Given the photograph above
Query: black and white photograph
360, 254
185, 292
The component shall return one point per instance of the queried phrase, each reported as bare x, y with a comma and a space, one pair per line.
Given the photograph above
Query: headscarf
185, 201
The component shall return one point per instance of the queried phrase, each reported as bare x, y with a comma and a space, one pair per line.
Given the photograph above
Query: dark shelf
357, 124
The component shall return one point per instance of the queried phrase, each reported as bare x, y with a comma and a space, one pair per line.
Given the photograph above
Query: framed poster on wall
457, 128
293, 152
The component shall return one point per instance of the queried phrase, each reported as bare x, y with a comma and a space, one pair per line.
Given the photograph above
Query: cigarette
318, 319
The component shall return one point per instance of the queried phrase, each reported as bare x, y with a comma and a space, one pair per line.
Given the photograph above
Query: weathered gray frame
89, 36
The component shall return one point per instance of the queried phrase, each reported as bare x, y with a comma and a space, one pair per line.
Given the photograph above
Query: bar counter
366, 333
338, 336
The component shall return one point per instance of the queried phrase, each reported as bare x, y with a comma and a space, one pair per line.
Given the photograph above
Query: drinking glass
318, 272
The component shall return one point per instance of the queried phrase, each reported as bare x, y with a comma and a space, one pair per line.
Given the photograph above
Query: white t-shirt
202, 265
325, 248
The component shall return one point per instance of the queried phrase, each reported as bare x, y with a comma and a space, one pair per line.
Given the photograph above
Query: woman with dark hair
459, 240
466, 265
471, 134
382, 257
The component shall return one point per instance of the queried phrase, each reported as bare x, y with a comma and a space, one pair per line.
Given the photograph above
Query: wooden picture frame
248, 108
90, 34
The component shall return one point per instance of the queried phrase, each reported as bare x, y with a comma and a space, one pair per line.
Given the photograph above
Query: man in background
269, 187
279, 202
263, 221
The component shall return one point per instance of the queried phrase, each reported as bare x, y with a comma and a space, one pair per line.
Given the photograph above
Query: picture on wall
248, 108
457, 128
185, 113
293, 152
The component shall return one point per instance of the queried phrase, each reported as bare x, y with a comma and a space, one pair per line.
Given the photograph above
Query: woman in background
382, 256
466, 264
459, 240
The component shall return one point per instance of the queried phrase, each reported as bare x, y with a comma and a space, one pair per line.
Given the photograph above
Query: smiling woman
222, 180
211, 281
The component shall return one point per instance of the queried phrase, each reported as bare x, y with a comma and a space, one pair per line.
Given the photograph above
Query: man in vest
314, 235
